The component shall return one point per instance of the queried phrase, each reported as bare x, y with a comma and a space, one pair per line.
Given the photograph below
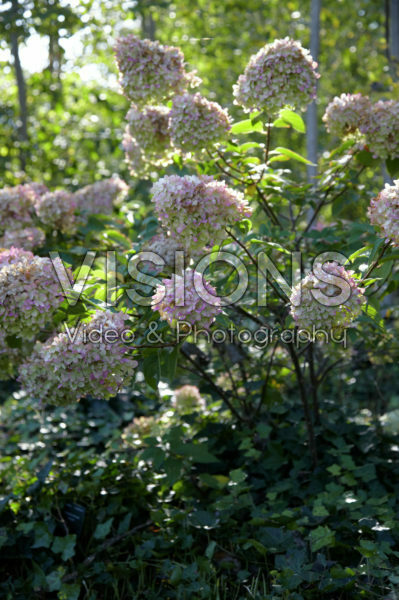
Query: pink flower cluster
70, 366
101, 196
381, 129
196, 209
177, 299
57, 211
346, 113
13, 255
188, 398
165, 246
28, 238
310, 312
147, 141
135, 157
16, 207
196, 123
29, 292
149, 72
281, 73
383, 212
150, 128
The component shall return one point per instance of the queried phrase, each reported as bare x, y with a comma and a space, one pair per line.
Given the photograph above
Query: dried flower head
381, 129
149, 72
57, 211
346, 113
196, 123
196, 210
30, 292
101, 196
281, 73
307, 311
27, 238
177, 299
383, 212
80, 362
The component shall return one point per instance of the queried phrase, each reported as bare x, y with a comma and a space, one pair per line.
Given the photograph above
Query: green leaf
171, 363
334, 470
365, 158
293, 119
280, 123
103, 529
217, 482
237, 475
375, 249
393, 166
246, 126
43, 537
291, 154
320, 537
53, 580
119, 238
258, 546
173, 467
210, 549
198, 453
392, 256
69, 591
151, 369
361, 252
64, 546
320, 511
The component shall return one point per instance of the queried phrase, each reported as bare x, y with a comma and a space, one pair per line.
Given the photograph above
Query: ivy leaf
64, 546
320, 537
69, 591
103, 529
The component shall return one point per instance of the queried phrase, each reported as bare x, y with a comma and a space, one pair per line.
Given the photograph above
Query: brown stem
255, 262
377, 260
324, 200
217, 389
267, 149
313, 385
265, 383
304, 399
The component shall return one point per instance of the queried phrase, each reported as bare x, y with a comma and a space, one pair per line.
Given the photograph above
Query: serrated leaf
64, 546
320, 537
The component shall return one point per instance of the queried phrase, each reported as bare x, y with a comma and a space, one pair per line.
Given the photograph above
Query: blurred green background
61, 114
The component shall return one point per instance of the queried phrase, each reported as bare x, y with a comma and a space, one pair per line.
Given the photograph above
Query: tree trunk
148, 25
393, 36
311, 116
23, 111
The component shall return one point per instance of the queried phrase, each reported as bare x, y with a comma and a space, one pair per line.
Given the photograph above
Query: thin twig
104, 546
377, 260
255, 262
265, 383
217, 389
